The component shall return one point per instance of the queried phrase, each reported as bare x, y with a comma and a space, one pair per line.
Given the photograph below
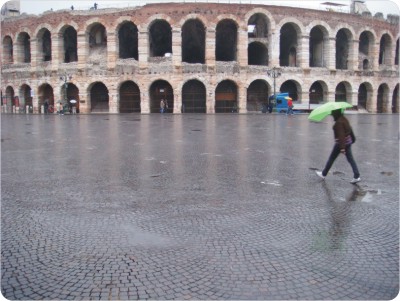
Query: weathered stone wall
103, 65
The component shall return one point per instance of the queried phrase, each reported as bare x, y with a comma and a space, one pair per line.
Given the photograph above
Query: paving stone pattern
125, 207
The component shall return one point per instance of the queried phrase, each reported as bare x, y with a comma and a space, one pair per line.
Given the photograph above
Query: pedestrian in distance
46, 106
290, 106
344, 138
162, 106
166, 105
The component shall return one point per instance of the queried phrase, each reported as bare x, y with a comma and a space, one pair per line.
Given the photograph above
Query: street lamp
65, 78
274, 73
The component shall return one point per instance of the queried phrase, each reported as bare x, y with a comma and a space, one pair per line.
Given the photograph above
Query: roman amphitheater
200, 57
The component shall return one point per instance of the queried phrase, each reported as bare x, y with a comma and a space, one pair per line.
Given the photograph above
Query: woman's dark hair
337, 113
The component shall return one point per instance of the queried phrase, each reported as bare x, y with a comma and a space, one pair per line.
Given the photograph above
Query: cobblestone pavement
196, 207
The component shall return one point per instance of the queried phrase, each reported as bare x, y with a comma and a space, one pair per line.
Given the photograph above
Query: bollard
27, 110
42, 109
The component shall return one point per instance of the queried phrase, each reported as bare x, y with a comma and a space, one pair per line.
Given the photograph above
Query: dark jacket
342, 129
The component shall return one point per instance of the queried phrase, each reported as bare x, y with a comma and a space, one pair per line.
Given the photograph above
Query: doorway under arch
161, 89
226, 97
99, 98
257, 95
129, 98
194, 97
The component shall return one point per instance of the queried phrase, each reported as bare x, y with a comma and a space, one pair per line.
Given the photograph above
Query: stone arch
45, 92
96, 39
289, 43
99, 97
343, 92
344, 38
226, 40
366, 50
129, 97
193, 41
265, 14
9, 99
385, 49
194, 97
25, 97
8, 50
161, 89
160, 38
364, 96
260, 24
226, 96
23, 47
318, 46
318, 92
257, 54
382, 99
128, 40
257, 95
69, 42
44, 45
292, 87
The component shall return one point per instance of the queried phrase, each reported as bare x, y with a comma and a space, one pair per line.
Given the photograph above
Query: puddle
362, 195
273, 183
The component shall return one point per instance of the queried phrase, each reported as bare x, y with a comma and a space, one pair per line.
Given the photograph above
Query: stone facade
201, 57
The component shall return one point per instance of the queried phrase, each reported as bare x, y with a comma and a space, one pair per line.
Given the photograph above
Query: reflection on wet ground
197, 207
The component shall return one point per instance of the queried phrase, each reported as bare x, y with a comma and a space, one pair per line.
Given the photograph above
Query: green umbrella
326, 109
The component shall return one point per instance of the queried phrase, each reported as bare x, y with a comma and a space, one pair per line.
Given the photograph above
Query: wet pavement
196, 207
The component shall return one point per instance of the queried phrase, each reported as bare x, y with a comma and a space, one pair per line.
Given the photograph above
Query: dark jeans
335, 152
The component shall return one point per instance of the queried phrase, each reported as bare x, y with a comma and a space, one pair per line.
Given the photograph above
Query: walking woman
344, 138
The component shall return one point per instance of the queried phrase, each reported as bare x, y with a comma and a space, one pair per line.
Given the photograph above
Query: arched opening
44, 45
128, 41
99, 98
9, 100
24, 48
288, 45
97, 38
7, 50
161, 89
194, 97
226, 97
257, 54
365, 64
226, 41
317, 47
382, 99
292, 88
395, 100
316, 93
341, 92
193, 42
343, 39
396, 55
257, 26
70, 45
364, 96
46, 93
365, 49
129, 98
385, 46
257, 95
25, 98
72, 94
160, 38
